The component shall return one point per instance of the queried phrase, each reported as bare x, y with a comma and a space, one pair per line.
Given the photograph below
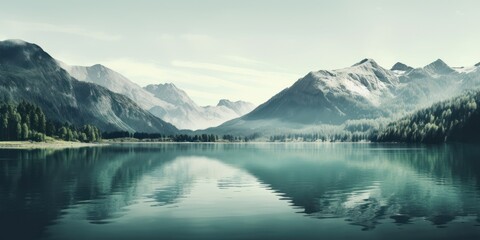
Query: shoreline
46, 145
249, 142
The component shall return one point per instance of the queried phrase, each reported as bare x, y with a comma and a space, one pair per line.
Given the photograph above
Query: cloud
206, 96
191, 37
196, 37
56, 28
247, 74
255, 85
140, 72
244, 60
145, 73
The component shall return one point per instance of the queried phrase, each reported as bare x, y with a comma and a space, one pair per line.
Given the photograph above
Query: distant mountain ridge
188, 115
165, 101
29, 73
240, 107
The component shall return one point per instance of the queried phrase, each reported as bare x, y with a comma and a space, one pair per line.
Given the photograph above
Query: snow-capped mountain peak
365, 80
168, 92
240, 107
438, 67
332, 96
401, 67
366, 61
368, 67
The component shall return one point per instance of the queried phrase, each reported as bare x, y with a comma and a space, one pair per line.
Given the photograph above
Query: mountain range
100, 96
165, 101
363, 91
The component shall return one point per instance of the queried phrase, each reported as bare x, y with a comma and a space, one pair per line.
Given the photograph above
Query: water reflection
362, 184
366, 183
37, 185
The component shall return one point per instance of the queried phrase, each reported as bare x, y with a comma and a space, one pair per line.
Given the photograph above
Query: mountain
456, 120
29, 73
331, 97
188, 115
364, 90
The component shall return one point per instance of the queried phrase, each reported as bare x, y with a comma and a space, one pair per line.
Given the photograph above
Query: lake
242, 191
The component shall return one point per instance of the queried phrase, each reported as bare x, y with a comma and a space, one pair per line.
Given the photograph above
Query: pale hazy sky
246, 50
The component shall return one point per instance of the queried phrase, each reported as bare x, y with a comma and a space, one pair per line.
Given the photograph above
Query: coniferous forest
26, 121
454, 120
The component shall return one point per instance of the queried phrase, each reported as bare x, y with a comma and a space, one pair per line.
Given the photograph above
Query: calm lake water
238, 191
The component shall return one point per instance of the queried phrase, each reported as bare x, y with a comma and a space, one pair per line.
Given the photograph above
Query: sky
243, 50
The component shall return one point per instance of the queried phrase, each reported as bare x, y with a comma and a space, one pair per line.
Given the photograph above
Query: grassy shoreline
55, 144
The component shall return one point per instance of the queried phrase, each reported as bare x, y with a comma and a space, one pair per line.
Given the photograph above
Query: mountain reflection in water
206, 190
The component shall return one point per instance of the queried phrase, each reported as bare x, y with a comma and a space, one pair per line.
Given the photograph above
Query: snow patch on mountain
365, 79
465, 69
